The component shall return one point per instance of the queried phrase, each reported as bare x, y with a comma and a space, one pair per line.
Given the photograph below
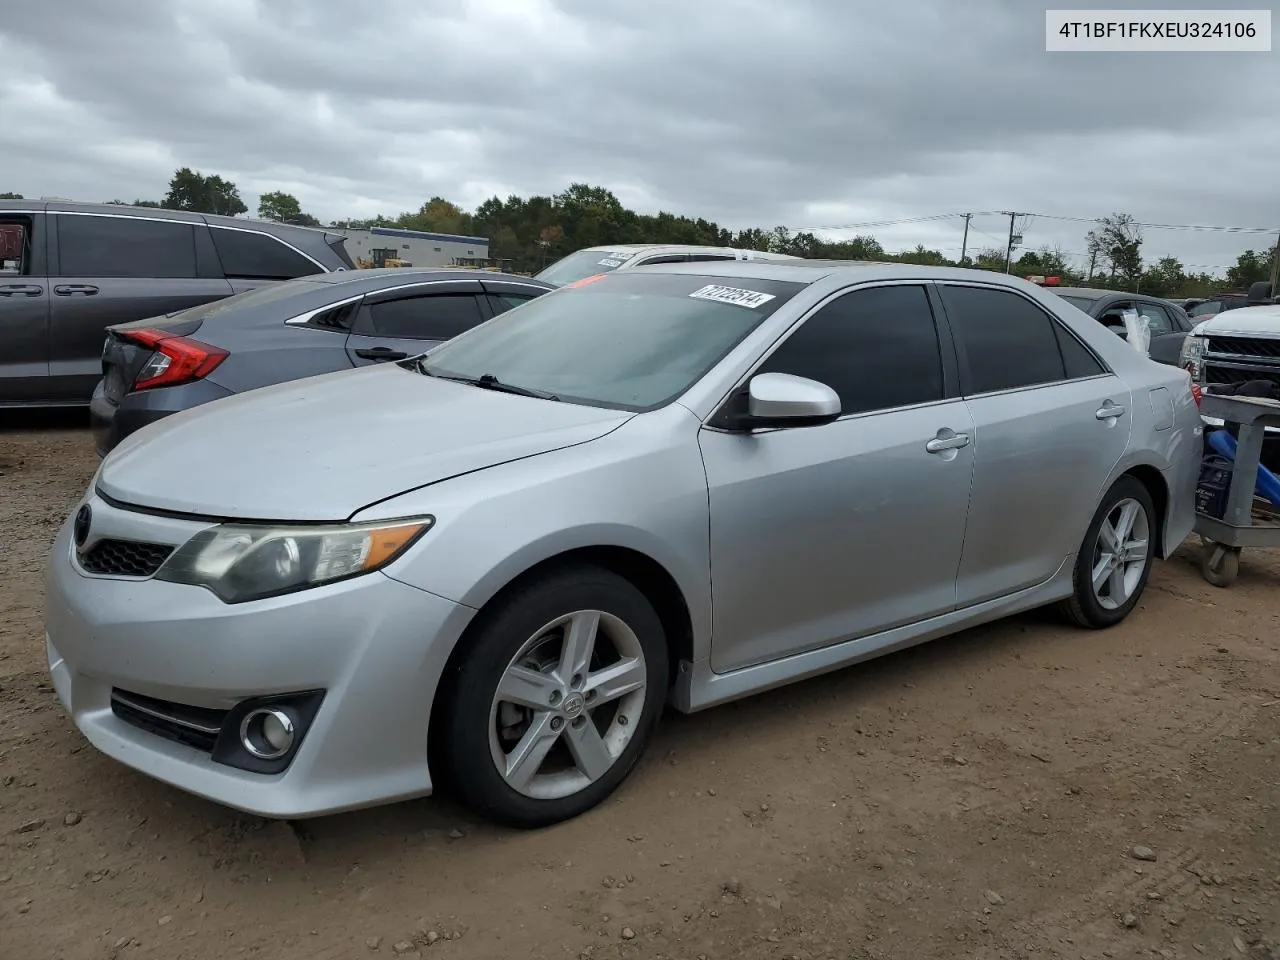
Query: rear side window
90, 246
1078, 360
502, 302
15, 247
1006, 341
877, 348
256, 256
433, 317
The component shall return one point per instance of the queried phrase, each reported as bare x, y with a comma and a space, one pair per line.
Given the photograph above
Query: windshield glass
1084, 303
1206, 309
584, 263
630, 340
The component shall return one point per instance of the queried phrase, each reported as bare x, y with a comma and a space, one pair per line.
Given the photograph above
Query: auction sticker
609, 262
734, 295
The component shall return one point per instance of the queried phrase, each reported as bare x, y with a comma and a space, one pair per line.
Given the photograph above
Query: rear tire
1110, 576
553, 703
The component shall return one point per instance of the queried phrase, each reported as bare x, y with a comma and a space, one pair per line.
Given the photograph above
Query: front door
400, 323
823, 534
116, 269
24, 310
1050, 424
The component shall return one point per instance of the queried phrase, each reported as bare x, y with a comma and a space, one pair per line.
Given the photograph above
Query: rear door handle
380, 353
943, 444
20, 290
75, 289
1109, 411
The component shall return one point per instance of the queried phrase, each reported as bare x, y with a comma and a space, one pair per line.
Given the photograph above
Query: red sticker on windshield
584, 281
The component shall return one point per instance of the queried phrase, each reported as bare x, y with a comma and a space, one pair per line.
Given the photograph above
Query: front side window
1157, 318
630, 340
92, 246
1006, 341
877, 348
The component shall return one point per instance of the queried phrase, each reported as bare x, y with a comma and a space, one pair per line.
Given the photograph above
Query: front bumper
375, 647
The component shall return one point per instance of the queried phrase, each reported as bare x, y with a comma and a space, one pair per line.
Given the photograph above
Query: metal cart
1239, 527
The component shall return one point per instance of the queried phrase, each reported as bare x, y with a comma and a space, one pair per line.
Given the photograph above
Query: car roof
152, 213
811, 271
638, 248
379, 277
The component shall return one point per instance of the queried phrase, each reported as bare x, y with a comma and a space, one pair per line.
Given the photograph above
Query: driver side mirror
785, 400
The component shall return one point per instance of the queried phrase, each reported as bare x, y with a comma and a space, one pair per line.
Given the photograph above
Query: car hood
325, 447
1260, 321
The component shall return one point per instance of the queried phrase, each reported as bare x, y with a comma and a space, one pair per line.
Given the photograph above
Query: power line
1046, 216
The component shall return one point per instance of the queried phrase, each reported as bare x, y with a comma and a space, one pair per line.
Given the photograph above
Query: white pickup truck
1235, 347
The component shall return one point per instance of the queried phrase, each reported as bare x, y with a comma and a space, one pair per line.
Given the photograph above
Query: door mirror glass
782, 399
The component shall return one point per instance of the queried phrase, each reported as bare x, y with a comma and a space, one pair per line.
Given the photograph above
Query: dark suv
70, 270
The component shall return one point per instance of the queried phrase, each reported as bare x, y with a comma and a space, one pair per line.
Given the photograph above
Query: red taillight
176, 360
1196, 393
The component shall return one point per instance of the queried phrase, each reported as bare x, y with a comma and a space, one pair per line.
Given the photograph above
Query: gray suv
70, 270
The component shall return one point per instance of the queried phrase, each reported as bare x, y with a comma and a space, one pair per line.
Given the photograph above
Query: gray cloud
807, 113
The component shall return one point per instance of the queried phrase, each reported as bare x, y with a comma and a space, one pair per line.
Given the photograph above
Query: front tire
1114, 561
554, 700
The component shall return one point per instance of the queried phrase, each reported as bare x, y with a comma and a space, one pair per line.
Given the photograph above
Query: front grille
196, 727
1215, 374
124, 558
1261, 347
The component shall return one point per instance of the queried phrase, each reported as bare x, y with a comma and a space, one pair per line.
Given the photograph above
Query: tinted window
1157, 318
335, 318
502, 302
702, 257
255, 256
632, 340
1206, 309
1006, 340
664, 258
1083, 303
1077, 359
125, 247
434, 317
877, 348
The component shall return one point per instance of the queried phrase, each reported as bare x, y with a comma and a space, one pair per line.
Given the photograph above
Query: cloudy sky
809, 113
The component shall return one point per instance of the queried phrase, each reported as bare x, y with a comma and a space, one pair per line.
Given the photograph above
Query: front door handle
943, 444
20, 290
380, 353
75, 289
1109, 411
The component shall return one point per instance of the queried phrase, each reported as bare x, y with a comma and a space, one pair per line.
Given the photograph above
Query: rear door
1050, 424
409, 320
111, 269
24, 309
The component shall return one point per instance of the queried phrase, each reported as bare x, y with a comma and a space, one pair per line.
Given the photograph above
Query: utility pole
1008, 252
1275, 270
964, 244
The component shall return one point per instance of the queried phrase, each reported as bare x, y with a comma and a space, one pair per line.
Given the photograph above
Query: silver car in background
487, 568
591, 261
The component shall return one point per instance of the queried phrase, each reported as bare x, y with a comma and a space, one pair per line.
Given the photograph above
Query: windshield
1206, 309
630, 340
1084, 303
584, 263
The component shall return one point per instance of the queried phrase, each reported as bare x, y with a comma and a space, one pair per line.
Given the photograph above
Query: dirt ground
981, 796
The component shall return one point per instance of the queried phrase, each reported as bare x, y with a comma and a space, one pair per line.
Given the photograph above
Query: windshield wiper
487, 381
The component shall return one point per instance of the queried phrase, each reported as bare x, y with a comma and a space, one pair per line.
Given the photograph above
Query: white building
416, 246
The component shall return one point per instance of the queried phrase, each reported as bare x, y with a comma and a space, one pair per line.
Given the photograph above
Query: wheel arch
648, 575
1153, 479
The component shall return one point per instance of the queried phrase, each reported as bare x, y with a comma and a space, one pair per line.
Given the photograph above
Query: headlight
1191, 357
240, 562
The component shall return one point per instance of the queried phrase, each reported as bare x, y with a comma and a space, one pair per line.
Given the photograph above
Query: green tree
1120, 244
12, 196
1165, 278
191, 190
1252, 266
284, 208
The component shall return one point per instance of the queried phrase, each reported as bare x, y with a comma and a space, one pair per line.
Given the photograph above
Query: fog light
267, 733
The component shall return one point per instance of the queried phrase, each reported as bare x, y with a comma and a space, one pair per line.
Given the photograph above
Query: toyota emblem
80, 529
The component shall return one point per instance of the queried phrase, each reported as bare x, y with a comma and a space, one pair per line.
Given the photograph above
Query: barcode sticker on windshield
734, 295
610, 263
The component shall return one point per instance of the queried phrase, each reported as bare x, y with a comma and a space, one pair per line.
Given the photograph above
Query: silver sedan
487, 568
